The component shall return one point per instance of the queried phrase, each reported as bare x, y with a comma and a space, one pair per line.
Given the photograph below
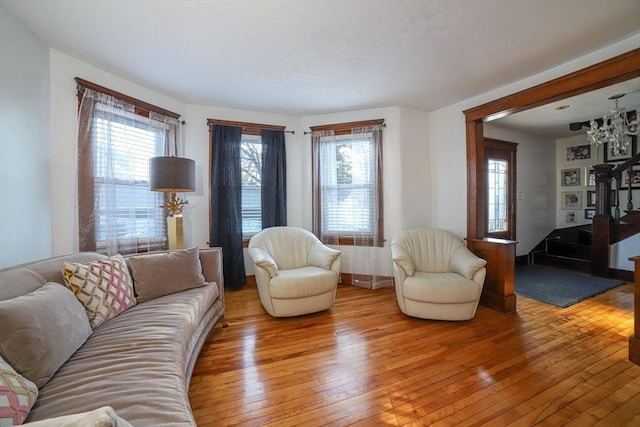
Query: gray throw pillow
164, 273
40, 330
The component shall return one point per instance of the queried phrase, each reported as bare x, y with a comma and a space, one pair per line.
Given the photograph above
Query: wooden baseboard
623, 275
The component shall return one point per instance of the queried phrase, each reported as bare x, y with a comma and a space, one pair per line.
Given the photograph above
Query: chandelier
615, 128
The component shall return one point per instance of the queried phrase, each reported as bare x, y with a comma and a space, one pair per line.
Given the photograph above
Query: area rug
559, 287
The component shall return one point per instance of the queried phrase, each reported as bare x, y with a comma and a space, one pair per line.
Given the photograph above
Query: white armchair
436, 276
296, 274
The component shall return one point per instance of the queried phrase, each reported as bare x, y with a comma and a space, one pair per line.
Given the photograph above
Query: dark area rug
559, 287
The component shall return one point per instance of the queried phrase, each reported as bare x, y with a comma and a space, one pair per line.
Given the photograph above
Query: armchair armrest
323, 256
403, 259
465, 263
261, 258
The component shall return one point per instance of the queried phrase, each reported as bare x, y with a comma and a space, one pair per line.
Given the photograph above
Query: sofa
121, 351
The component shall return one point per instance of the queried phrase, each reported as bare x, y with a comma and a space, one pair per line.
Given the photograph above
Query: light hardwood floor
364, 363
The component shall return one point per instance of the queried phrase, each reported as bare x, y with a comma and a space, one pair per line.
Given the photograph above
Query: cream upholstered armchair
296, 274
436, 276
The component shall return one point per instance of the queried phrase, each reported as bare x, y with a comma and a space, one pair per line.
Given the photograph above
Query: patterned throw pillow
104, 288
17, 396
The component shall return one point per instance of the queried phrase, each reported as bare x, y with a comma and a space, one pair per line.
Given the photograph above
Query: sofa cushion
41, 330
17, 395
441, 288
317, 281
160, 274
104, 287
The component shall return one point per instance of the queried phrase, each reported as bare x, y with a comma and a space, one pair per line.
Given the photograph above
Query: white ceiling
305, 57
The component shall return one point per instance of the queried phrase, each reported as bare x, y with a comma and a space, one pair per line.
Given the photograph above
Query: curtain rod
211, 122
384, 125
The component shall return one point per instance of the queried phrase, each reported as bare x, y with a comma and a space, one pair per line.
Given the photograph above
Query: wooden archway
615, 70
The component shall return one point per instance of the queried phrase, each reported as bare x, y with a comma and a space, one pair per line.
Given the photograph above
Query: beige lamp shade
172, 174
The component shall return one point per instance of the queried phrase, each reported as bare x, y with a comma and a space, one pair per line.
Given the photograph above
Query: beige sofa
138, 362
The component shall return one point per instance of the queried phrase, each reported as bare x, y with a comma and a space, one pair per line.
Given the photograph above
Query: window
117, 212
251, 162
261, 171
347, 177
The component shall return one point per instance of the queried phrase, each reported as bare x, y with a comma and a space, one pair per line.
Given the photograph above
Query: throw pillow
104, 416
164, 273
17, 395
41, 330
104, 288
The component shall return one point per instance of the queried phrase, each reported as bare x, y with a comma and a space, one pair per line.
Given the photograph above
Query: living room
425, 155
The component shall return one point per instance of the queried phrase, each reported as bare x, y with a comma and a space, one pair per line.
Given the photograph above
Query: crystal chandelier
616, 126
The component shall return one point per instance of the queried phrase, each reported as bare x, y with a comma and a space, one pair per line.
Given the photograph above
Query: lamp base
175, 232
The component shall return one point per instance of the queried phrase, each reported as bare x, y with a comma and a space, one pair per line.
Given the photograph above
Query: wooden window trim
247, 128
141, 108
345, 129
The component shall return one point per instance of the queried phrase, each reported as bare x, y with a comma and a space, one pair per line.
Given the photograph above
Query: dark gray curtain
274, 179
226, 202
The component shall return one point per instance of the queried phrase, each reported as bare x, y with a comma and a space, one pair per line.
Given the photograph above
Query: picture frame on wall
590, 176
631, 178
570, 177
610, 157
571, 200
589, 213
591, 198
578, 153
570, 218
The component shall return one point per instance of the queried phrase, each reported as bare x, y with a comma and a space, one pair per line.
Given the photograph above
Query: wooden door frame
615, 70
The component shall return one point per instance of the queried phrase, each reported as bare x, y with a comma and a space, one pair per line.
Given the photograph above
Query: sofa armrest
211, 261
403, 260
465, 263
323, 256
262, 259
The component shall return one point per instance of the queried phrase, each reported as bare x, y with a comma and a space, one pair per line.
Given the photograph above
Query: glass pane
251, 160
497, 196
348, 186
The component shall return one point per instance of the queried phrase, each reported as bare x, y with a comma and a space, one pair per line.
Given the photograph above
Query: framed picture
571, 200
591, 198
578, 152
570, 218
590, 176
632, 178
589, 213
570, 177
609, 156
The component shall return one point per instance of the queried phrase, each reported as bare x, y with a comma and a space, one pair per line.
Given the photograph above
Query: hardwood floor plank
365, 363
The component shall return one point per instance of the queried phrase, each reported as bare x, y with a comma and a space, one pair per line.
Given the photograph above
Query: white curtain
347, 168
117, 213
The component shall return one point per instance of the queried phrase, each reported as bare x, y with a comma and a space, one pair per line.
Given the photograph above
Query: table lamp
173, 175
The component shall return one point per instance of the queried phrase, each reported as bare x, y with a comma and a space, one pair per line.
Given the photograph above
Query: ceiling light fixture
615, 128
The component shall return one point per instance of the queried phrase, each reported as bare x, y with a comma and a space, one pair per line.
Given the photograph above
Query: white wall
25, 193
569, 166
535, 182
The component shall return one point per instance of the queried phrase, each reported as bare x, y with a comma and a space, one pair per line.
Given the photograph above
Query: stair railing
608, 200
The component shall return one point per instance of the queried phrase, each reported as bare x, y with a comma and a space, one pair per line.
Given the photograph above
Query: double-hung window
347, 183
117, 212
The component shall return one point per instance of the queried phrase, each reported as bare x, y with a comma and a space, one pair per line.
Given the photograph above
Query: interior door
500, 181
